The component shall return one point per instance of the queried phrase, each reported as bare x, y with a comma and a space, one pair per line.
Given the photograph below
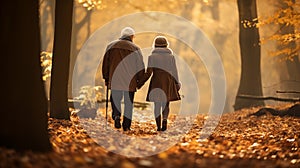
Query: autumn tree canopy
287, 15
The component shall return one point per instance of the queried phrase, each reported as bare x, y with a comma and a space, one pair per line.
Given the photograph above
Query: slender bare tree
61, 60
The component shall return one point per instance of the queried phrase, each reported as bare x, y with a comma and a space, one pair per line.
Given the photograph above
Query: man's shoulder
112, 43
123, 44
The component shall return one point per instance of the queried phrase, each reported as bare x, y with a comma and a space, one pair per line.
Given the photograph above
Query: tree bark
77, 27
47, 24
61, 59
250, 81
23, 121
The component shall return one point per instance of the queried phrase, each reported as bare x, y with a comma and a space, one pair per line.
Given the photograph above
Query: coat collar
162, 50
126, 38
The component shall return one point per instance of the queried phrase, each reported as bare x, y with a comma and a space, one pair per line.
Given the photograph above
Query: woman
164, 84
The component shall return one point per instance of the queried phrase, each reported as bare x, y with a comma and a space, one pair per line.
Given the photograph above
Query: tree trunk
61, 58
23, 121
47, 24
77, 27
250, 81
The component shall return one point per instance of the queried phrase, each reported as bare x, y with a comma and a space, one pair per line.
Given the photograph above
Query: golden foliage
140, 5
94, 4
46, 63
287, 18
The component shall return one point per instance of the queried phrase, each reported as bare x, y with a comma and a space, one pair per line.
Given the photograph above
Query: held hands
139, 85
178, 86
106, 82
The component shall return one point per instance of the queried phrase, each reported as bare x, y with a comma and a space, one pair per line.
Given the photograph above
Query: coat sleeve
174, 70
149, 70
140, 69
105, 66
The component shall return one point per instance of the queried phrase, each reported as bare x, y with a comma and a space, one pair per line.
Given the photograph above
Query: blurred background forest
218, 19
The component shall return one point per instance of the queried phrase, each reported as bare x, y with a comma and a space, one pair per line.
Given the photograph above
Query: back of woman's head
161, 41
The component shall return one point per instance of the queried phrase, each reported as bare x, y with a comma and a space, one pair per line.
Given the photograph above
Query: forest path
237, 141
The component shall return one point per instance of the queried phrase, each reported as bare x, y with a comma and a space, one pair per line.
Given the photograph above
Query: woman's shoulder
162, 51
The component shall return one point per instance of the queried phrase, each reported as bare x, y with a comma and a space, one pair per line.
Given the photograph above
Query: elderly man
123, 69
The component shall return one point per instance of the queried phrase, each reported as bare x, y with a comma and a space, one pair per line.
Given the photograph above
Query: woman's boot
158, 122
164, 125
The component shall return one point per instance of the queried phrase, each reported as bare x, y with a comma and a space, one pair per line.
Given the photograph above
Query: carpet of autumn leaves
239, 140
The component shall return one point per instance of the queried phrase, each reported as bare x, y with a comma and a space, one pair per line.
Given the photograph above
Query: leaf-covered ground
237, 141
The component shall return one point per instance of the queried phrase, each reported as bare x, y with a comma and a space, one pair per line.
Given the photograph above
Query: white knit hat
127, 31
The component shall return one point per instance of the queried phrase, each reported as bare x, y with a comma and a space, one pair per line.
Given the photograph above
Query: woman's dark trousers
164, 106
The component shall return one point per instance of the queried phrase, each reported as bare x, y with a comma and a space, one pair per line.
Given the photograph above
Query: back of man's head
127, 31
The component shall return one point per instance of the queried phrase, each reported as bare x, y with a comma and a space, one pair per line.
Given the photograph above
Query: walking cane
106, 106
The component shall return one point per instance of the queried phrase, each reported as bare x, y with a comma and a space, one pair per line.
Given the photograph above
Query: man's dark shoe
126, 124
126, 129
164, 125
117, 122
